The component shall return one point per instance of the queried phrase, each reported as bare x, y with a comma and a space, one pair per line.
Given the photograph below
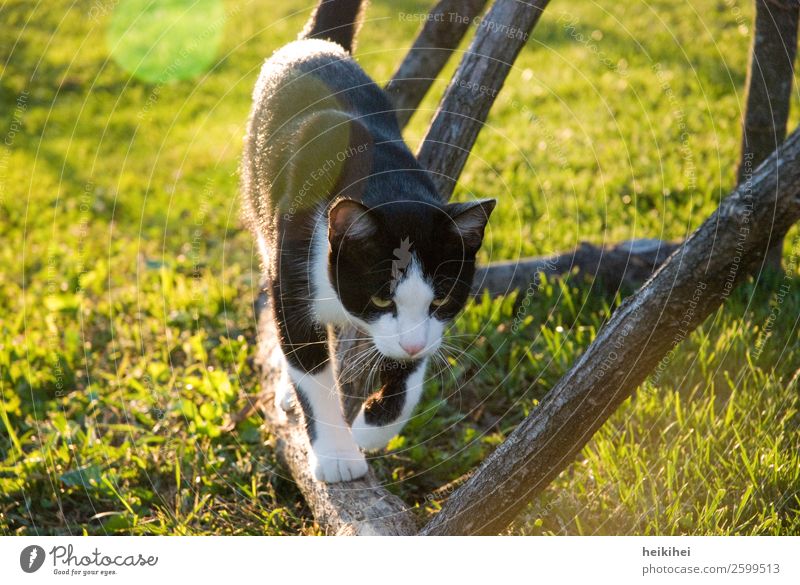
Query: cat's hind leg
284, 393
385, 413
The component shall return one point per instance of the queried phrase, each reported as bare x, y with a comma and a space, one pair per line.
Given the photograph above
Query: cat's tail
336, 21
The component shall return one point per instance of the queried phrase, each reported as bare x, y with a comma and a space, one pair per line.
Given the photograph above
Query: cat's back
301, 132
311, 75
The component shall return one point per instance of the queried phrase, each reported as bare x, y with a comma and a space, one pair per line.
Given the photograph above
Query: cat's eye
381, 303
440, 302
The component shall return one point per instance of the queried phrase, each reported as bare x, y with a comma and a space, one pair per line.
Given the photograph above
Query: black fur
385, 405
336, 21
362, 268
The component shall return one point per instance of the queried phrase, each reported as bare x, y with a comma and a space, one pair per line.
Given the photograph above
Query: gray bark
769, 89
627, 264
441, 33
472, 91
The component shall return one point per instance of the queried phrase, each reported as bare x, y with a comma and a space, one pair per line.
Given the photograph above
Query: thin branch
626, 264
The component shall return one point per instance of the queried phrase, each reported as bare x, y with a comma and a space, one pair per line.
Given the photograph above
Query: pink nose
412, 349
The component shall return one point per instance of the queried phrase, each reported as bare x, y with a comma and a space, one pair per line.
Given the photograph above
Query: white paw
284, 399
336, 466
371, 438
284, 392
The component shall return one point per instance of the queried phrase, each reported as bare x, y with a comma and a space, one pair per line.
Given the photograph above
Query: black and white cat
351, 231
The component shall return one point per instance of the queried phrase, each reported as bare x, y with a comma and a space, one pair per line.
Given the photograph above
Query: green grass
127, 280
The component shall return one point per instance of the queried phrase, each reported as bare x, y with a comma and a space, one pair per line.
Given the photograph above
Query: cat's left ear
350, 219
468, 221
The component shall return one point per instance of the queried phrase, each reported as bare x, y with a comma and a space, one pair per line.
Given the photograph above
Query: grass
127, 280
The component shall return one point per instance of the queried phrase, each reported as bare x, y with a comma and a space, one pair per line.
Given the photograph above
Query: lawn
127, 280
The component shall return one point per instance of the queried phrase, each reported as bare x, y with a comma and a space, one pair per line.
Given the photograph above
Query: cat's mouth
404, 352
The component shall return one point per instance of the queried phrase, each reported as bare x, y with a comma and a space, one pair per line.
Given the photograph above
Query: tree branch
769, 88
474, 87
694, 281
626, 264
441, 33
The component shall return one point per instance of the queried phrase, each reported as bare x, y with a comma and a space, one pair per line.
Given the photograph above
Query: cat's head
403, 269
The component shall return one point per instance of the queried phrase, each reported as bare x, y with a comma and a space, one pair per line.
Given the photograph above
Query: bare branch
628, 263
769, 88
474, 87
441, 33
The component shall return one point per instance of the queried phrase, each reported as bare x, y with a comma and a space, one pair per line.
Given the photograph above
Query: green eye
440, 302
381, 303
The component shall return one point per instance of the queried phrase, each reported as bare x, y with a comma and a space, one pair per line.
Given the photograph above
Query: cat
351, 230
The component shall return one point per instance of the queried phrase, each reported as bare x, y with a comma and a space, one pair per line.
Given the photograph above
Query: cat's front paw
338, 465
373, 437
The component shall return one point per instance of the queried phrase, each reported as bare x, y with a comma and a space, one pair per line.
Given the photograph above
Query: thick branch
478, 79
627, 264
769, 87
693, 282
442, 31
360, 507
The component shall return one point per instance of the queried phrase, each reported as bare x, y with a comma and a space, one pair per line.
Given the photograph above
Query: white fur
328, 309
371, 437
284, 392
334, 454
263, 249
413, 326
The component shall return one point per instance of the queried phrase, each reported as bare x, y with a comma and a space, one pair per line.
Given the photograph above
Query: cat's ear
350, 219
468, 220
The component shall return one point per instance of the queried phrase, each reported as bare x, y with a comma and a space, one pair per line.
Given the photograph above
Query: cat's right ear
350, 219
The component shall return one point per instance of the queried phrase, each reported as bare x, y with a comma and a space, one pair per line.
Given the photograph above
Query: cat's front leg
384, 414
334, 454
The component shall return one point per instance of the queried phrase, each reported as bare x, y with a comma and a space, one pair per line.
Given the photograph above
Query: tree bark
626, 264
441, 33
769, 89
693, 282
474, 87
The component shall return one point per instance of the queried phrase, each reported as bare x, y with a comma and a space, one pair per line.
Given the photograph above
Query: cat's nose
412, 349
